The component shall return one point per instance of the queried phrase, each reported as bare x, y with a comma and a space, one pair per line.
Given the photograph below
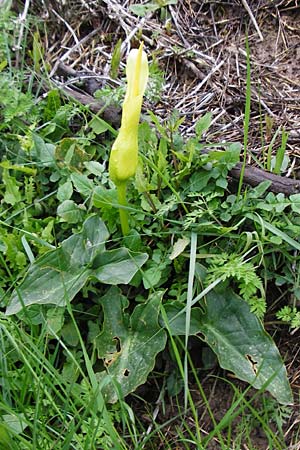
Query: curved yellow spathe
124, 153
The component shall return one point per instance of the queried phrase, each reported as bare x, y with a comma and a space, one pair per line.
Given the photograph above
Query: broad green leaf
95, 168
242, 345
203, 124
58, 275
12, 194
82, 184
179, 247
105, 198
70, 212
15, 423
295, 202
118, 266
44, 152
70, 335
261, 189
69, 152
177, 319
98, 125
50, 280
65, 191
128, 345
238, 339
151, 277
199, 180
81, 248
55, 320
222, 182
230, 157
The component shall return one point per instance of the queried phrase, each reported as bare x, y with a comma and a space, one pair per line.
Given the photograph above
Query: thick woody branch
110, 114
253, 176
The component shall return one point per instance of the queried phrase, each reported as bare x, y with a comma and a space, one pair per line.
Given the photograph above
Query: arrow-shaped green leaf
239, 340
128, 345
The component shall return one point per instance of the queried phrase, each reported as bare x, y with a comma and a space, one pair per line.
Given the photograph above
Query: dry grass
201, 47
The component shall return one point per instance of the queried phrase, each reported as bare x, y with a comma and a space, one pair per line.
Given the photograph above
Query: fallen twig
109, 113
254, 176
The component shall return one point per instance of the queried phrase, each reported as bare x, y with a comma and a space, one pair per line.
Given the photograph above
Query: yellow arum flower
123, 159
124, 153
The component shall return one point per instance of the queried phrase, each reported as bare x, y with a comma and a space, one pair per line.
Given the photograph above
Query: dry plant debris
200, 45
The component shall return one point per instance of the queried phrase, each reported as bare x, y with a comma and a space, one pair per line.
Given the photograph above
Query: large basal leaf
177, 319
46, 286
51, 279
58, 276
81, 249
243, 346
118, 266
128, 345
239, 341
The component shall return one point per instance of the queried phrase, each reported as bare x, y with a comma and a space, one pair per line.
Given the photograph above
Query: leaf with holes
242, 345
239, 340
128, 344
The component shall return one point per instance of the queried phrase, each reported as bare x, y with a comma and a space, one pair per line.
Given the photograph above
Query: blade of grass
284, 236
270, 148
188, 311
180, 365
281, 152
100, 403
204, 398
247, 117
237, 407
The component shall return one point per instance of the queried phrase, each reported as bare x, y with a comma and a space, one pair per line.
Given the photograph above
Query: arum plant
124, 153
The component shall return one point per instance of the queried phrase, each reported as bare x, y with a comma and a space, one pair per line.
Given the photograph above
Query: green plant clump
85, 311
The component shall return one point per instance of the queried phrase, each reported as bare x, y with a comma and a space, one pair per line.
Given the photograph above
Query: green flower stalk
123, 159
